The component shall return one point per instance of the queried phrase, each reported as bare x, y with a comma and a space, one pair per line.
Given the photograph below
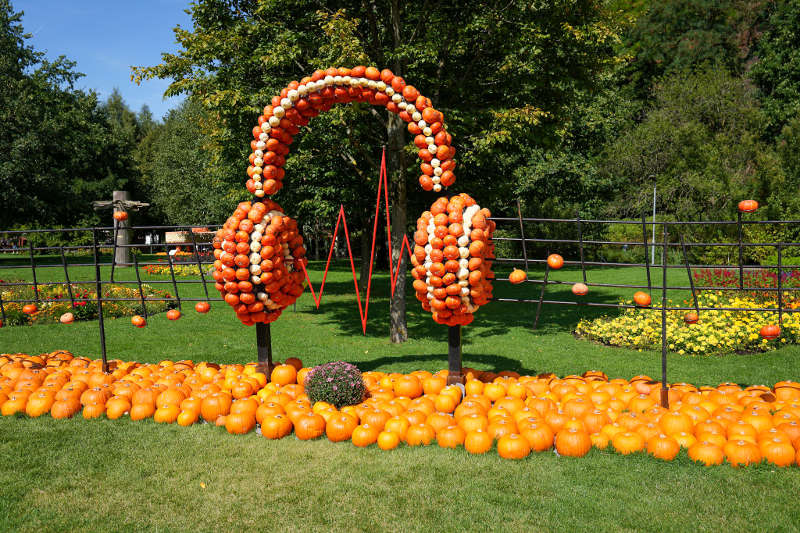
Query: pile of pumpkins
514, 414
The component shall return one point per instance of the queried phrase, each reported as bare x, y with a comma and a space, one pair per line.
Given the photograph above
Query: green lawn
81, 475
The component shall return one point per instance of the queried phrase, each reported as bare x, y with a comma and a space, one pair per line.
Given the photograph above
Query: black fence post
264, 348
139, 283
522, 236
200, 263
174, 283
741, 253
780, 288
646, 257
114, 250
33, 271
689, 274
99, 288
664, 388
2, 307
580, 245
66, 278
541, 293
454, 373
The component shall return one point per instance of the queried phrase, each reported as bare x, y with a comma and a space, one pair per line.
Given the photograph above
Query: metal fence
30, 256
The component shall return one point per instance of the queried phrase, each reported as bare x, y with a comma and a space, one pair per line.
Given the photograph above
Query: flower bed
181, 270
512, 414
716, 333
728, 279
184, 264
54, 301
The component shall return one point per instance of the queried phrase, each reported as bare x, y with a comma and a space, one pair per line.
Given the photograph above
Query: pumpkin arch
259, 252
296, 104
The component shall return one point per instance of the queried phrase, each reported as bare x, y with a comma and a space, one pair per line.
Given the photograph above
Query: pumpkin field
74, 474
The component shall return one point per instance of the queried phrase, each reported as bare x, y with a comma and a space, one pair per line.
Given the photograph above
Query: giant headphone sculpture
259, 251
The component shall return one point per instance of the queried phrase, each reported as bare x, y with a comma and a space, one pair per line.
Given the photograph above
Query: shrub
337, 383
717, 332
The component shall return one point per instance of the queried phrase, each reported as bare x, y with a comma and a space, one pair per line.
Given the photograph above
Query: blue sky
106, 37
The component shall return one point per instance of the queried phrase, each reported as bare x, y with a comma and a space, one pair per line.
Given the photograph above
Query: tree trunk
396, 174
366, 249
397, 193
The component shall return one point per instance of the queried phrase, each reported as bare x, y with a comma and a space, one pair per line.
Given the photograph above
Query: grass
82, 475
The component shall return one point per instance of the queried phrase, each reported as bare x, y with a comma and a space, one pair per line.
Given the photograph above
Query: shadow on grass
469, 359
497, 318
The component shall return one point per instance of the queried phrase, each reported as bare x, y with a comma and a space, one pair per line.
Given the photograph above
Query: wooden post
264, 348
454, 374
122, 256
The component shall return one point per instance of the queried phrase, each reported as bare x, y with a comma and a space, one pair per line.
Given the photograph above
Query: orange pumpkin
140, 411
65, 408
173, 314
778, 452
450, 437
675, 422
215, 405
419, 434
748, 206
408, 386
663, 447
770, 331
478, 441
555, 261
120, 216
539, 436
309, 426
202, 307
691, 317
116, 406
398, 425
275, 426
388, 440
29, 309
138, 321
67, 318
741, 453
340, 427
600, 440
517, 276
572, 442
513, 446
364, 435
642, 299
284, 374
93, 410
39, 403
580, 289
188, 417
268, 409
168, 397
240, 423
167, 414
628, 442
706, 453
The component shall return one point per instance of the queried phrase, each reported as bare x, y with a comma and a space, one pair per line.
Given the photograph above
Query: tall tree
170, 155
497, 70
701, 143
57, 151
777, 71
674, 35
